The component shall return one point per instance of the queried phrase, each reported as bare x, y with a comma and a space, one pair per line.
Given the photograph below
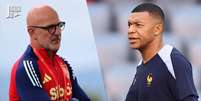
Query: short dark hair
151, 9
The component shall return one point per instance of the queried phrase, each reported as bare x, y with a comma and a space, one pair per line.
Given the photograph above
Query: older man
40, 74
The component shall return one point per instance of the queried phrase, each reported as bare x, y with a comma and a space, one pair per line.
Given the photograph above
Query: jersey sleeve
184, 78
190, 98
28, 82
78, 93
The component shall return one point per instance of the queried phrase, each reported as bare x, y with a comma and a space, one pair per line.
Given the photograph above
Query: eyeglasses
52, 28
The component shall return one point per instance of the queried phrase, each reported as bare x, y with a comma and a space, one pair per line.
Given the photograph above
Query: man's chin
55, 48
134, 46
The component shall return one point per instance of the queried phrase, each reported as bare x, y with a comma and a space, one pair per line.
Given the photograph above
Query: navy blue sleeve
190, 98
28, 82
185, 87
78, 93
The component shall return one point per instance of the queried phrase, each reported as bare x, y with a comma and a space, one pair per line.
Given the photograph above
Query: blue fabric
78, 93
26, 90
29, 92
154, 82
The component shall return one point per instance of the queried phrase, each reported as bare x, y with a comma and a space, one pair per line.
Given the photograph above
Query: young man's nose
131, 29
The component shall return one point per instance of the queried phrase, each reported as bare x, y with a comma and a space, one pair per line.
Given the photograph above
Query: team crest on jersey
149, 79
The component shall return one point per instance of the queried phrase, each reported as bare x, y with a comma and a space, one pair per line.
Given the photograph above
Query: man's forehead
139, 16
41, 14
43, 10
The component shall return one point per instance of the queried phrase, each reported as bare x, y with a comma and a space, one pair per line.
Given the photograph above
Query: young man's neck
150, 51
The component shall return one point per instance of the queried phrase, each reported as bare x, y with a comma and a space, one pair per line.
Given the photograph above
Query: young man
164, 74
40, 74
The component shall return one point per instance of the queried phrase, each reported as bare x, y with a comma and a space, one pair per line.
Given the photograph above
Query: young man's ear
158, 29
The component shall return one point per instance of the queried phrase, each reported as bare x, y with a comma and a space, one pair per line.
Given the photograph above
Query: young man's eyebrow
135, 22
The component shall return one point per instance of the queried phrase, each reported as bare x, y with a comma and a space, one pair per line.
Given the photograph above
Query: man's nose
58, 31
131, 29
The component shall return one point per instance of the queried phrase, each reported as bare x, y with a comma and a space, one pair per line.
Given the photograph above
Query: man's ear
31, 32
158, 29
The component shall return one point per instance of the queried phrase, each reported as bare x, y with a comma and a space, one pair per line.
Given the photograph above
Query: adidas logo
46, 78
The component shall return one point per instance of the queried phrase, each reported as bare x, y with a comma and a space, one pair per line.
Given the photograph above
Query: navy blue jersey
166, 77
31, 80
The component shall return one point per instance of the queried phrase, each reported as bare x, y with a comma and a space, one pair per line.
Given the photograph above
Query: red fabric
13, 95
54, 75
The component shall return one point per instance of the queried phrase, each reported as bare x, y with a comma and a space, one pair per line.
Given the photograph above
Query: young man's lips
133, 39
